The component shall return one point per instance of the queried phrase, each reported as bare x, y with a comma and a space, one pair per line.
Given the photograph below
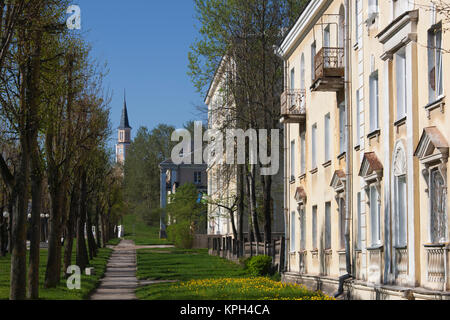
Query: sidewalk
119, 282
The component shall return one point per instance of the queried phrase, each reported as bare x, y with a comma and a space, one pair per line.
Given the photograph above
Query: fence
233, 249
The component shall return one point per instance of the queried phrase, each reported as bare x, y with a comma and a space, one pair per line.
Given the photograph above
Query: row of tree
54, 158
243, 35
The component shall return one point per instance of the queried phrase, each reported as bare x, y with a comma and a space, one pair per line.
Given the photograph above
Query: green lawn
142, 234
182, 264
88, 283
204, 277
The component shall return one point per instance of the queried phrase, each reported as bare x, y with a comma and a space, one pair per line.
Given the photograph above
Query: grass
142, 234
229, 289
205, 277
182, 264
88, 283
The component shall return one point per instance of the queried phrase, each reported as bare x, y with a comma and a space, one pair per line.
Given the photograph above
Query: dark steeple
124, 124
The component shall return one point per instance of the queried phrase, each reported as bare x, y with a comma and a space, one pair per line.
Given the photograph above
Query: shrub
260, 266
180, 235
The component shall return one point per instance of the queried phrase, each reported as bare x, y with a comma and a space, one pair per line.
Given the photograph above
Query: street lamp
6, 215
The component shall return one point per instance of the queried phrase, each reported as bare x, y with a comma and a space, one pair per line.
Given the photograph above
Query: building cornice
303, 25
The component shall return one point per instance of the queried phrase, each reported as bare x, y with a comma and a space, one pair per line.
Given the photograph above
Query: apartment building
367, 128
222, 177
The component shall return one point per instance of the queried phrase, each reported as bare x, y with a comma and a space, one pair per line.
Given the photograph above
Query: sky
145, 44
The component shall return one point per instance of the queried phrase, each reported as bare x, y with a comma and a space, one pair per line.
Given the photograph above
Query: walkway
119, 282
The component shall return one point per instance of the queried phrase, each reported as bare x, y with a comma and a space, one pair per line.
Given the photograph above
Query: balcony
293, 106
329, 70
437, 267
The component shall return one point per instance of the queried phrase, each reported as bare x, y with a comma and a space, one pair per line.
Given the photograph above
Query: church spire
124, 124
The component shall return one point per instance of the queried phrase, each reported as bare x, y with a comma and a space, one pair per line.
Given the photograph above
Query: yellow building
367, 128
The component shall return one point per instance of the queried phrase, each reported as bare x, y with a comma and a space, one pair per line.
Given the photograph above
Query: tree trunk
240, 204
73, 214
267, 207
91, 241
35, 238
18, 281
252, 203
82, 255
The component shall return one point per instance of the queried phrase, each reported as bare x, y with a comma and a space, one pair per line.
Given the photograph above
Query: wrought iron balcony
329, 70
293, 106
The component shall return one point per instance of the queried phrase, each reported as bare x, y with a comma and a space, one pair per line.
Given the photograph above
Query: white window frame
314, 146
293, 160
342, 131
375, 215
293, 231
400, 77
374, 102
358, 117
328, 227
435, 61
401, 212
327, 132
303, 152
359, 222
302, 228
313, 62
314, 228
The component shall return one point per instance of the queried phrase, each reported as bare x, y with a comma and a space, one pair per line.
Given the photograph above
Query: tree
244, 33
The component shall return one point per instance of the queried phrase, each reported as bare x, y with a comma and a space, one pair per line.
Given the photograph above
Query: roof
370, 164
124, 123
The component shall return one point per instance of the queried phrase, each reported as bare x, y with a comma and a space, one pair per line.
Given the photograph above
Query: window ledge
327, 164
439, 103
375, 247
292, 180
341, 156
328, 251
356, 46
400, 122
357, 148
314, 171
435, 245
374, 134
342, 251
303, 176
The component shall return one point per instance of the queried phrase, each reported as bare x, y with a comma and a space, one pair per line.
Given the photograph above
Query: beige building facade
395, 123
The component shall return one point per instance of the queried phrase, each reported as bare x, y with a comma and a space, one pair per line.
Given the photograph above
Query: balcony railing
401, 263
436, 264
293, 106
329, 69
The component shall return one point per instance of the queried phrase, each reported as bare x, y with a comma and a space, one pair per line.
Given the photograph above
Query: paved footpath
119, 282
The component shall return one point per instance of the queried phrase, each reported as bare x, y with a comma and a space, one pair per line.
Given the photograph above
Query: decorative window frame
433, 153
372, 173
399, 170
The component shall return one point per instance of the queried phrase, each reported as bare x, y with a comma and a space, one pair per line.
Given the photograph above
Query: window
327, 138
313, 146
342, 123
197, 177
303, 152
357, 21
374, 112
438, 207
314, 227
399, 7
292, 96
435, 77
302, 229
121, 136
375, 216
373, 7
328, 225
342, 223
293, 222
400, 212
400, 70
302, 73
358, 118
326, 37
313, 63
359, 226
293, 160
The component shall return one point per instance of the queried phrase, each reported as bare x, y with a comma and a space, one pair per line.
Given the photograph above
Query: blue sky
145, 43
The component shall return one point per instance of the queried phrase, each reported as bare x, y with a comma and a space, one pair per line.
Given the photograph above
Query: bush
260, 266
180, 235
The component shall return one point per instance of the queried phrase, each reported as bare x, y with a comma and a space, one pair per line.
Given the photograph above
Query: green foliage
181, 235
141, 233
185, 214
142, 173
260, 266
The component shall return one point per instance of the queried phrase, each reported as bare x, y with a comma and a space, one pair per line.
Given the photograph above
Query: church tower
124, 135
